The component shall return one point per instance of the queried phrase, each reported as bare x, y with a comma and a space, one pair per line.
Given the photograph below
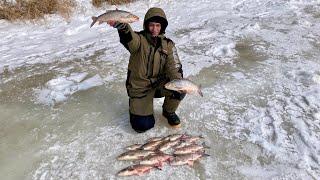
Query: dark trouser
141, 109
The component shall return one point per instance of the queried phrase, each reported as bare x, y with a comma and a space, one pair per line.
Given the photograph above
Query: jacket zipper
161, 61
148, 64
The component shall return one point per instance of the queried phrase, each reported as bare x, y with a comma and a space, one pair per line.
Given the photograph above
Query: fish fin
158, 151
170, 159
190, 163
184, 135
179, 88
205, 155
136, 162
205, 146
157, 167
200, 92
94, 20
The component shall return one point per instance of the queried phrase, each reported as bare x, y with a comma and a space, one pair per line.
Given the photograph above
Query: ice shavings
60, 89
223, 50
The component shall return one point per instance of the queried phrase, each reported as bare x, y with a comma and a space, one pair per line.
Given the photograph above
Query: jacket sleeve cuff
125, 34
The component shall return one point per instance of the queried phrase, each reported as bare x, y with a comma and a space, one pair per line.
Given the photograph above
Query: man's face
154, 28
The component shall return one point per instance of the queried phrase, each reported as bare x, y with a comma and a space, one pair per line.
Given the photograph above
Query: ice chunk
78, 77
91, 82
317, 115
316, 78
238, 75
60, 89
227, 50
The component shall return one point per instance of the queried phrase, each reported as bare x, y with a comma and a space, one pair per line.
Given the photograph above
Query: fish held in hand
115, 15
184, 86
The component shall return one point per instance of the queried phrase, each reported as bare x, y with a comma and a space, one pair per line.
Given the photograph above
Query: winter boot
172, 118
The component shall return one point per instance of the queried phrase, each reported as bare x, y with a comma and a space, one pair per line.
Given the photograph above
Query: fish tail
157, 166
171, 159
205, 155
199, 91
184, 135
205, 146
94, 20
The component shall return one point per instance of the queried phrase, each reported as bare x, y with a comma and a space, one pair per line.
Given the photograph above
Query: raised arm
129, 38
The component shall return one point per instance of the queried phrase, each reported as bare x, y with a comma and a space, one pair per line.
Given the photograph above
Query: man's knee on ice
141, 123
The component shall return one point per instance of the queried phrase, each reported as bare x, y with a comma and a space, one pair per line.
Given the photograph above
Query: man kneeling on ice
153, 62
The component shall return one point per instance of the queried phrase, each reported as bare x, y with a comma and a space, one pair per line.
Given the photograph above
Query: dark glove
161, 80
178, 95
119, 25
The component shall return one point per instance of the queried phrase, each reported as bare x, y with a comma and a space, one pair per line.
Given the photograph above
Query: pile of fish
176, 149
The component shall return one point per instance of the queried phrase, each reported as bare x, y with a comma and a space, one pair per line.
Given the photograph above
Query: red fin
190, 163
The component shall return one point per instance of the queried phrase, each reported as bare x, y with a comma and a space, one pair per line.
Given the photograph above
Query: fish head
120, 158
133, 17
170, 86
125, 156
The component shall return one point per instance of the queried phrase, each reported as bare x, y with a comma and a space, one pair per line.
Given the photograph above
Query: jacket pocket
163, 59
